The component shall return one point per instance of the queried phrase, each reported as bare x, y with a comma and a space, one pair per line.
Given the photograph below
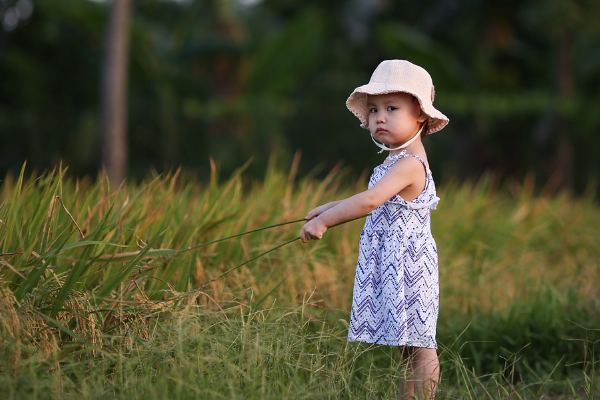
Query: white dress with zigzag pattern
396, 289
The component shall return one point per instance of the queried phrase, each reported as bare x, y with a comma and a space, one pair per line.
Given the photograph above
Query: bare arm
402, 174
321, 209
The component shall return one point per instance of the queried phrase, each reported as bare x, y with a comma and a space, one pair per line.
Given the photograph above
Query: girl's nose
380, 118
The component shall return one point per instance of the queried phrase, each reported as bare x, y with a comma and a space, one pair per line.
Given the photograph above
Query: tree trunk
564, 154
113, 92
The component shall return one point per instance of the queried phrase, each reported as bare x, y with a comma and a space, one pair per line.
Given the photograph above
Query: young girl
396, 290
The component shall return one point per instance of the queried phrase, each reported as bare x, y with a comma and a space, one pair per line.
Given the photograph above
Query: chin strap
383, 146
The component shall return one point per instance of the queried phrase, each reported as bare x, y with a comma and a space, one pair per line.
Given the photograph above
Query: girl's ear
422, 117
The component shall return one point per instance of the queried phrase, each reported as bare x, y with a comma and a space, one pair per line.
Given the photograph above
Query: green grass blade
82, 264
114, 281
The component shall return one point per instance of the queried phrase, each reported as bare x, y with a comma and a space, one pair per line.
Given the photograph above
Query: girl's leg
427, 372
421, 373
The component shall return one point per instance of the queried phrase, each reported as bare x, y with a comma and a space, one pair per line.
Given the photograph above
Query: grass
105, 291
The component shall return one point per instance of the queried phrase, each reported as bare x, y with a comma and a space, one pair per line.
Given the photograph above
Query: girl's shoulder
421, 156
421, 192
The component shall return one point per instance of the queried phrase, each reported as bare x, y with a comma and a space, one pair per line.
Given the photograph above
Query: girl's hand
313, 230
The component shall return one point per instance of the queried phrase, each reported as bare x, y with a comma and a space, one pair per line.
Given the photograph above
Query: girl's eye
391, 108
372, 110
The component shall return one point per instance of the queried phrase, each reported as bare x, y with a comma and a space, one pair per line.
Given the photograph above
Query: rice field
130, 292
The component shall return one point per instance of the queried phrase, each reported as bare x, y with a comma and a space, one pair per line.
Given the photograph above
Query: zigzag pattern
396, 290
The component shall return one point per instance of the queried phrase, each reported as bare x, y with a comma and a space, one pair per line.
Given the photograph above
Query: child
396, 290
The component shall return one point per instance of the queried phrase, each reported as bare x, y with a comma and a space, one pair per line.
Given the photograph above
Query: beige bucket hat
398, 76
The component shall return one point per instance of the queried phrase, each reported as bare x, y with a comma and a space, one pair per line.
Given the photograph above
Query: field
109, 293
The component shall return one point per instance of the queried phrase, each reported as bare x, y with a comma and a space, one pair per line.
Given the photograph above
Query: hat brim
357, 104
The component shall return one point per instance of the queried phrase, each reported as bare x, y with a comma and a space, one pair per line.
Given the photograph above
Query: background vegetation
236, 79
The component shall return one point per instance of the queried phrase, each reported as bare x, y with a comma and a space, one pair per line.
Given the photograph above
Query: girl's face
394, 118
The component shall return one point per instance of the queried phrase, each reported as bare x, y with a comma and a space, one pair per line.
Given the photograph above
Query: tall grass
109, 292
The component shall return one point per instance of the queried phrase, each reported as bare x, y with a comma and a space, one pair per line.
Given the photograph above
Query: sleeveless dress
396, 289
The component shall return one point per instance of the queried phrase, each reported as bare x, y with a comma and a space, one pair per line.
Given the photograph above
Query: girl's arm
321, 209
406, 172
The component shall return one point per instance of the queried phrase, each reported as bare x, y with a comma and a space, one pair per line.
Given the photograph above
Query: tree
114, 92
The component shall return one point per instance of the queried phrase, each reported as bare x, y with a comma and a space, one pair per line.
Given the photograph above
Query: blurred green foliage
239, 79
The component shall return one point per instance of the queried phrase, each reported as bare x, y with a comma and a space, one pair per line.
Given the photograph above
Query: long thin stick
268, 251
119, 257
250, 260
242, 234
